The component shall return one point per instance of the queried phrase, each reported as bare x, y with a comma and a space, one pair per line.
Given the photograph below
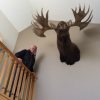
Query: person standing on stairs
27, 57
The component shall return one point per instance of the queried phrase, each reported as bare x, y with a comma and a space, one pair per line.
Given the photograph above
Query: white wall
58, 81
19, 12
7, 32
61, 9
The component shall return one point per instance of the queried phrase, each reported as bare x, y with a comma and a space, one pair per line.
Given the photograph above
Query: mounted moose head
69, 52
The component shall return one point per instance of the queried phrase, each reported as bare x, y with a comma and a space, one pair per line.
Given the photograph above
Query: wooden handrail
13, 56
14, 76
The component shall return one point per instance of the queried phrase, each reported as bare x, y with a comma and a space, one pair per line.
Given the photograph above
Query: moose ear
57, 30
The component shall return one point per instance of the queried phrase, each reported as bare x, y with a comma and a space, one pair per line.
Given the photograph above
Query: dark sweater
27, 57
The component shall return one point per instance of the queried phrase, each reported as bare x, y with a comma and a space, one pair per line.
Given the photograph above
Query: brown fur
69, 52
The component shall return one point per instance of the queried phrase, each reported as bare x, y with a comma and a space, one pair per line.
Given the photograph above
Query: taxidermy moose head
69, 52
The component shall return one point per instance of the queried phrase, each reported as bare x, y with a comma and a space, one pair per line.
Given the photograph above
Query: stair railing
16, 81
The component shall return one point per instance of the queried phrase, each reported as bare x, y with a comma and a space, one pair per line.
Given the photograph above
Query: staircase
16, 81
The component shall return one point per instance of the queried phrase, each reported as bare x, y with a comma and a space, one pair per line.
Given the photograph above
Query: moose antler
69, 52
41, 25
80, 16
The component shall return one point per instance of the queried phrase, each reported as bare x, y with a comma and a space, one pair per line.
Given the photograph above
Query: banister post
7, 75
11, 78
23, 85
3, 68
27, 86
2, 55
31, 86
19, 83
15, 81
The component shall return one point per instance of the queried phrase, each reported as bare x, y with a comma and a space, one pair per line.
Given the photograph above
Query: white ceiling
19, 12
